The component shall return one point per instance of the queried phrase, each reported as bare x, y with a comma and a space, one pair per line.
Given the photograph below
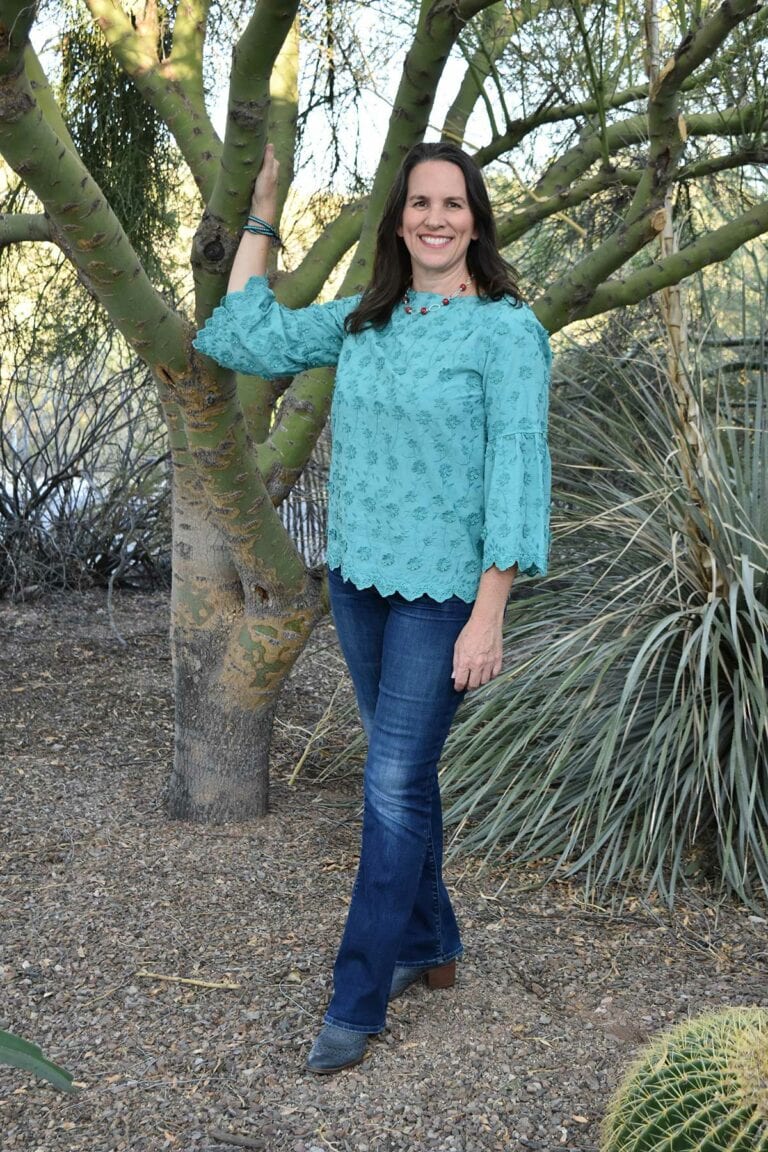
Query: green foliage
119, 136
21, 1054
703, 1085
631, 723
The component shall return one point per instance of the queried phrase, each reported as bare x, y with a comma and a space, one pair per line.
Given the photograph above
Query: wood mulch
180, 972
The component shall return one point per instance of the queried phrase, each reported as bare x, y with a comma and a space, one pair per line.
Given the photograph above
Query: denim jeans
400, 657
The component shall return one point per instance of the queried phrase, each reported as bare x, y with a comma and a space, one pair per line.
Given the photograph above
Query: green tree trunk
229, 663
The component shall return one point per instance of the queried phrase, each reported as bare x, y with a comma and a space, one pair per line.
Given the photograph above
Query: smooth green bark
496, 27
284, 111
88, 230
46, 101
22, 228
713, 248
173, 88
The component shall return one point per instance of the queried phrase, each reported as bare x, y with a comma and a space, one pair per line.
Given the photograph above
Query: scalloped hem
403, 588
527, 565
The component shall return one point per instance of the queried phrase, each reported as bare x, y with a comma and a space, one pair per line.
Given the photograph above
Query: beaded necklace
441, 304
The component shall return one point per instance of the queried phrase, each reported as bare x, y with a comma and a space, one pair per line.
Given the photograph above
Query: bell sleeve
251, 333
517, 478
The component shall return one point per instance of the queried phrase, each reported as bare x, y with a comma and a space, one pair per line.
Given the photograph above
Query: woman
438, 496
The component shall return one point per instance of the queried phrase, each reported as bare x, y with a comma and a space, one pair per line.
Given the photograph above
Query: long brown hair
492, 275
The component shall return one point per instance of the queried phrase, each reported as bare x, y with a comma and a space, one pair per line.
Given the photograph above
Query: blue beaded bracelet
258, 227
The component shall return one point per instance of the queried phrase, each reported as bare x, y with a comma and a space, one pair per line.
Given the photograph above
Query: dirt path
98, 889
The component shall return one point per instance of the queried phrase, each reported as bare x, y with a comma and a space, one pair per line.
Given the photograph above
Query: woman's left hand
477, 654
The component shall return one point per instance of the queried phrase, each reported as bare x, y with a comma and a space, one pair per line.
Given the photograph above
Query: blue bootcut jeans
400, 658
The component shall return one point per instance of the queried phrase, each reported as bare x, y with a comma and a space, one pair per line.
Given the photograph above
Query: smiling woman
439, 495
437, 228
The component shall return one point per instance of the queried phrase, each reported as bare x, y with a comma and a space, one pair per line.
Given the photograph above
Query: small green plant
21, 1054
701, 1087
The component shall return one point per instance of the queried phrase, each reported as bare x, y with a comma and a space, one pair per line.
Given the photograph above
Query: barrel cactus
701, 1087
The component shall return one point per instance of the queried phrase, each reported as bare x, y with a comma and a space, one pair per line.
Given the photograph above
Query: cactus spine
701, 1087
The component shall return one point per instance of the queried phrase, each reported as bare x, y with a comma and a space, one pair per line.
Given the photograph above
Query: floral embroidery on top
440, 463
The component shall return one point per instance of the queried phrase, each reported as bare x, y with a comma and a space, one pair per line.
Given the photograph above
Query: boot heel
442, 977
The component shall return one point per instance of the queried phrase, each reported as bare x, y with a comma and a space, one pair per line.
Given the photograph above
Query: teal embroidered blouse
440, 467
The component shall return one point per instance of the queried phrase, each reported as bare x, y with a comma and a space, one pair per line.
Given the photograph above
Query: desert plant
84, 486
631, 724
699, 1087
21, 1054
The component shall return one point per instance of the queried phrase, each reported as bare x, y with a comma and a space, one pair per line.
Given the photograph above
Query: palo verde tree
550, 78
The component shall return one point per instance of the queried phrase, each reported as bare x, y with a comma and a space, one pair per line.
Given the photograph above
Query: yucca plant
700, 1086
631, 724
21, 1054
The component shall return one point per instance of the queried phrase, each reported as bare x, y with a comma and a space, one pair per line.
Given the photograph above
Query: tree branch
666, 129
520, 220
258, 397
464, 9
173, 88
45, 98
186, 58
302, 286
568, 297
714, 164
578, 159
535, 209
84, 225
519, 129
283, 111
633, 130
22, 228
712, 248
303, 412
16, 20
554, 114
253, 60
494, 33
217, 237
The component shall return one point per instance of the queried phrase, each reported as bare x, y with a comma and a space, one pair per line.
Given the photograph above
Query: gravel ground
180, 972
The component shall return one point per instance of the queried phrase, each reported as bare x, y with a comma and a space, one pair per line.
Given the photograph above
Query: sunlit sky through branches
344, 110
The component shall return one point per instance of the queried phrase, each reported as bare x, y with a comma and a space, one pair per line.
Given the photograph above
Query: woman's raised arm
251, 256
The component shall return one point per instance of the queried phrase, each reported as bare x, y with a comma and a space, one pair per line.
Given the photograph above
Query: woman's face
437, 223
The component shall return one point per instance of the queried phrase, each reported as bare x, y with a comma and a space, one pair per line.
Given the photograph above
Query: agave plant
21, 1054
631, 724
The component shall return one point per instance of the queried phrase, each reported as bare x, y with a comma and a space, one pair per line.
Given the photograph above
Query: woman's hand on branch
252, 255
264, 198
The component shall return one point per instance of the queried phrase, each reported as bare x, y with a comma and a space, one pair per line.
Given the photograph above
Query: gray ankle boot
444, 976
336, 1048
